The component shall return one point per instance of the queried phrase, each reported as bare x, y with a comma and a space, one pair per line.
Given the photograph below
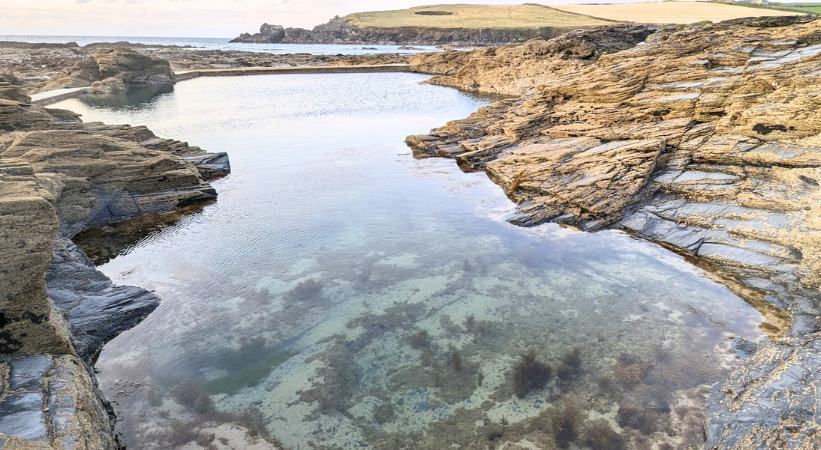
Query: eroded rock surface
117, 70
706, 139
58, 177
52, 402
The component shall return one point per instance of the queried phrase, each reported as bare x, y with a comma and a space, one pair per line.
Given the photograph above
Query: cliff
340, 31
702, 138
58, 177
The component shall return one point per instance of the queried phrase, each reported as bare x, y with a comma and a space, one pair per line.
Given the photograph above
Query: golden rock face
716, 131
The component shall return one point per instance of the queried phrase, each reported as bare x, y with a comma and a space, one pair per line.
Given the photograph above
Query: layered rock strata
58, 177
705, 139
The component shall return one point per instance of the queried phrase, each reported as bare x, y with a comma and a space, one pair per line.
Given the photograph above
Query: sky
187, 18
183, 18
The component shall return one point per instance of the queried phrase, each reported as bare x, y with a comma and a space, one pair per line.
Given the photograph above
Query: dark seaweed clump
420, 340
634, 417
530, 374
455, 361
564, 424
193, 397
599, 435
570, 366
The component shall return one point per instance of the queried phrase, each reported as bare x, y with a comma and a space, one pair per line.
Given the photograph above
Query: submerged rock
705, 139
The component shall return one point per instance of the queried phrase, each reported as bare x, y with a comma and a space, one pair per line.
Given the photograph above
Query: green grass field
474, 16
812, 9
566, 16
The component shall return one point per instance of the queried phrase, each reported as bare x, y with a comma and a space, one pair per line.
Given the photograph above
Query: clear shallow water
223, 44
341, 294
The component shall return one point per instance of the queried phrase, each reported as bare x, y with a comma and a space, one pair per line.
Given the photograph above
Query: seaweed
420, 340
306, 290
599, 435
630, 370
573, 358
455, 361
470, 323
384, 413
530, 374
632, 416
565, 424
193, 397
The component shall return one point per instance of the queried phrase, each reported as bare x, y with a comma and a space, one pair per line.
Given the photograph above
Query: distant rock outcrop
268, 34
339, 31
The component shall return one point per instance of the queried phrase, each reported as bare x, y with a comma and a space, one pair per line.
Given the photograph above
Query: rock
512, 69
95, 309
10, 89
116, 71
705, 139
51, 402
781, 379
339, 31
268, 34
58, 177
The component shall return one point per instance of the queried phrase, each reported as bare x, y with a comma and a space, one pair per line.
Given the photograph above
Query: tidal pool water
341, 294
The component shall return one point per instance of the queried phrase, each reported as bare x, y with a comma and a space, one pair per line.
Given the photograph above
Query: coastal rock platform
706, 139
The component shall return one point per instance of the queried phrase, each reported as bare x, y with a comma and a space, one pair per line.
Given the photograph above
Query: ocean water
342, 294
223, 44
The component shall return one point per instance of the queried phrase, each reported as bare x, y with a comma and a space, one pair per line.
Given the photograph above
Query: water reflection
344, 295
134, 97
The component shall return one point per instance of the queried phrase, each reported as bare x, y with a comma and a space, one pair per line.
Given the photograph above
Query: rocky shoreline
704, 139
59, 177
42, 67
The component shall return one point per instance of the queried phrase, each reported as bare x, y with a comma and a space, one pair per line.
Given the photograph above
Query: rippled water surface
224, 44
341, 294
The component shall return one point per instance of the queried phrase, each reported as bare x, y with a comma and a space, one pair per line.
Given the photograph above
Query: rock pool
341, 294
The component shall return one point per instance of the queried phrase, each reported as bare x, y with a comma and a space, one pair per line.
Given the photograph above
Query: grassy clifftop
526, 16
672, 12
474, 16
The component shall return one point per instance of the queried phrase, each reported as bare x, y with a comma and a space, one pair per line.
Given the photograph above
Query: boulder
117, 70
268, 34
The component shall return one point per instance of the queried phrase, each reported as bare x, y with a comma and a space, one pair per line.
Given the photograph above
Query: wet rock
95, 309
771, 401
52, 402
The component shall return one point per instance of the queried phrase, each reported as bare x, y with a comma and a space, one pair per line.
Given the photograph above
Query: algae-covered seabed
344, 295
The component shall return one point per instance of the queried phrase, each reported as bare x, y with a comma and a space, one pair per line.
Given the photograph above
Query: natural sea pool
341, 294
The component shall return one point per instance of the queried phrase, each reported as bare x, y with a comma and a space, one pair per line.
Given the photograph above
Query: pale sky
185, 18
189, 18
